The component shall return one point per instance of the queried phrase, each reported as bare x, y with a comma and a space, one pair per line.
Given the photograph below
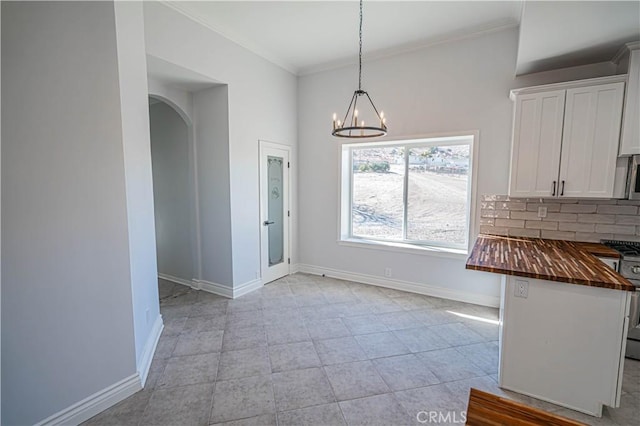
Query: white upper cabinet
535, 154
590, 141
565, 139
630, 140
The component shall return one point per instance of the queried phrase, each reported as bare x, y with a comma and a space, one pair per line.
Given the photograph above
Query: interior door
274, 211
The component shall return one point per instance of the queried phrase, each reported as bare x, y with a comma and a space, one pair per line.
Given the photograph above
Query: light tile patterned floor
311, 350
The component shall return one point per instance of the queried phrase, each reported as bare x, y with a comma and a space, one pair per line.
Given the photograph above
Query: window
414, 192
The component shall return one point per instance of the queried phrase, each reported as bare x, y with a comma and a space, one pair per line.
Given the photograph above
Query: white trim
420, 288
628, 47
505, 24
479, 31
620, 78
96, 403
189, 283
295, 268
195, 284
224, 291
400, 140
247, 287
459, 254
261, 52
272, 273
144, 363
215, 288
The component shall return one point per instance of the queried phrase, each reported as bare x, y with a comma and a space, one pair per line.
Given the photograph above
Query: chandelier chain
360, 52
352, 126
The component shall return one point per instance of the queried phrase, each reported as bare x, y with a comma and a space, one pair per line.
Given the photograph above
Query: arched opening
172, 166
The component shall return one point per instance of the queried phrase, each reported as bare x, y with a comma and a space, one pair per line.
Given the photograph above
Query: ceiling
308, 36
561, 34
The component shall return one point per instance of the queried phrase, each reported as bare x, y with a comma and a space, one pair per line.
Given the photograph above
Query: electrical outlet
257, 275
387, 272
522, 288
542, 211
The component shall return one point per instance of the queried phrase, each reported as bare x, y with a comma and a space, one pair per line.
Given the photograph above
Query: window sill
446, 252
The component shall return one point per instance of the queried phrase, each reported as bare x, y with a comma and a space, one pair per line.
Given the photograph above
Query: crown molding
263, 53
410, 47
344, 62
634, 45
618, 78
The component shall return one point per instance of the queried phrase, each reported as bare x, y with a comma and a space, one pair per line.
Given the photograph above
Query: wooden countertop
554, 260
596, 249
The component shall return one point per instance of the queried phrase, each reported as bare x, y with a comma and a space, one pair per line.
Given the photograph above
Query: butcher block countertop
554, 260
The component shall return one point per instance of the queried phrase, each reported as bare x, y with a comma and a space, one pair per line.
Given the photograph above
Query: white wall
211, 108
134, 108
171, 191
458, 86
262, 105
67, 326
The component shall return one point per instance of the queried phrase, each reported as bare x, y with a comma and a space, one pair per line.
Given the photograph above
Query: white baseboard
295, 268
189, 283
420, 288
247, 287
144, 363
229, 292
96, 403
215, 288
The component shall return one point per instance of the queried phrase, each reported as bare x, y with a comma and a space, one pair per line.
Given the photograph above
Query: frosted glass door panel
276, 210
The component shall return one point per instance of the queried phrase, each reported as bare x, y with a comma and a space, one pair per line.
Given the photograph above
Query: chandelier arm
348, 109
373, 105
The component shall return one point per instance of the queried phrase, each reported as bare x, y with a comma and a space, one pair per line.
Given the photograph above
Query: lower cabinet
563, 343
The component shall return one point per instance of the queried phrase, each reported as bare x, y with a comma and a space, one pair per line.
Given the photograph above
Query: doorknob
268, 222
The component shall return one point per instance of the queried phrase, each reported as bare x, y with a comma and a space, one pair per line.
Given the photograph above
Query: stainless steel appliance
633, 182
630, 269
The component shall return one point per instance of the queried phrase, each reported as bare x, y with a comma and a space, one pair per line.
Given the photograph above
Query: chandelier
353, 125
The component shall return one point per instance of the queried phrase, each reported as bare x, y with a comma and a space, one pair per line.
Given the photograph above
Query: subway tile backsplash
567, 219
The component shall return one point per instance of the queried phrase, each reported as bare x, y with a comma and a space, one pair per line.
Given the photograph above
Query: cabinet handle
554, 189
562, 192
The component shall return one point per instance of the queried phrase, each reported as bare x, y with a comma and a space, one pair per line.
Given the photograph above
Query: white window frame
345, 236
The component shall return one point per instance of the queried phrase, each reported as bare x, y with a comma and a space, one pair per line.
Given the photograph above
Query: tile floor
311, 350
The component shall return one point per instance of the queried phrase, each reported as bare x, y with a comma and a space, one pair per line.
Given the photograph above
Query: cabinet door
630, 142
590, 141
537, 137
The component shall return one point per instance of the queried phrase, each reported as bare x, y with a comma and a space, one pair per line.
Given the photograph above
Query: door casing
271, 273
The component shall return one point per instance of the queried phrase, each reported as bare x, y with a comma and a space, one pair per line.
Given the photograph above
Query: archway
174, 203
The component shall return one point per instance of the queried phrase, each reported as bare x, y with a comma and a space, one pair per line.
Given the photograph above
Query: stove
630, 250
630, 269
